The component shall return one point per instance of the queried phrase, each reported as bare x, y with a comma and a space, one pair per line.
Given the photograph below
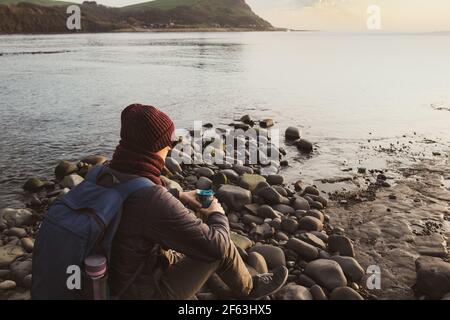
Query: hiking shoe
266, 284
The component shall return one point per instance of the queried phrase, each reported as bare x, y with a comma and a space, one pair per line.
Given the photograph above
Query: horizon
405, 16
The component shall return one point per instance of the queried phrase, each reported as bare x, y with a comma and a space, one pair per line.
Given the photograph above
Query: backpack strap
93, 173
127, 188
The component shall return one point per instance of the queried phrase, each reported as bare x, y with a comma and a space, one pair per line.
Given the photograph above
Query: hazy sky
396, 15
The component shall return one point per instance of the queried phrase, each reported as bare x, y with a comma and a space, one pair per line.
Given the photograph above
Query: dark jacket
153, 221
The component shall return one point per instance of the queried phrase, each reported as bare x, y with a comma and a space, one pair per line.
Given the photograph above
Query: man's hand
190, 199
214, 207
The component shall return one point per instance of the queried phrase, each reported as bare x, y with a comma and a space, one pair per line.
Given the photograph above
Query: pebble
71, 181
203, 183
273, 255
249, 219
271, 196
173, 165
95, 160
305, 281
326, 273
311, 190
293, 292
292, 133
345, 293
266, 123
9, 253
342, 245
282, 236
240, 241
283, 208
275, 179
316, 214
234, 197
318, 293
204, 172
231, 175
16, 217
289, 225
303, 249
266, 211
352, 269
7, 285
16, 232
304, 145
258, 262
433, 277
314, 240
251, 181
309, 223
28, 244
33, 185
262, 231
300, 204
64, 168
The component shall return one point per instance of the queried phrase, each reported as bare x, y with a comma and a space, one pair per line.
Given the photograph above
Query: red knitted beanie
146, 128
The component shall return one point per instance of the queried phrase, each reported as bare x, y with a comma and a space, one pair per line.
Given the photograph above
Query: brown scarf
132, 160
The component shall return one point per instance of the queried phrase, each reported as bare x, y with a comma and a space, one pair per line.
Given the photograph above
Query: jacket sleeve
169, 223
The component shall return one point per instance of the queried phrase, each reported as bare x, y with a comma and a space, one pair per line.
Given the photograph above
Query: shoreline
165, 30
275, 222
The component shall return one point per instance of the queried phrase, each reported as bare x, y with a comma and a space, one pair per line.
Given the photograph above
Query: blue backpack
81, 223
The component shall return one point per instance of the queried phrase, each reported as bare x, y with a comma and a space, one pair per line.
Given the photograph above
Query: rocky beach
370, 234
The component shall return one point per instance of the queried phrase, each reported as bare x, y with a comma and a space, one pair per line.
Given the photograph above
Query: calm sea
61, 95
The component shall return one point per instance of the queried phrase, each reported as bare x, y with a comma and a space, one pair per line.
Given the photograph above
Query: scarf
136, 161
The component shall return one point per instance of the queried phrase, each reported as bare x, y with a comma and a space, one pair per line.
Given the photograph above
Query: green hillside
232, 13
47, 16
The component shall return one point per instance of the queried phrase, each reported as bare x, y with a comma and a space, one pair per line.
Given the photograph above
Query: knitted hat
146, 128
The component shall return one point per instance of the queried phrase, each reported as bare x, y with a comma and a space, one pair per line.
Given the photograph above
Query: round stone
274, 256
309, 223
327, 273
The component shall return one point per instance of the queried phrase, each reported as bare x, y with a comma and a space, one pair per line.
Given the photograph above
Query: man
174, 252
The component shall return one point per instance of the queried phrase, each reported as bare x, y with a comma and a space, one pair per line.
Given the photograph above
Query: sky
347, 15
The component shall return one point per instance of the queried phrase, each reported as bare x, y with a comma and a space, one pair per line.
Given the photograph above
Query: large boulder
433, 277
234, 197
274, 256
293, 291
327, 273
